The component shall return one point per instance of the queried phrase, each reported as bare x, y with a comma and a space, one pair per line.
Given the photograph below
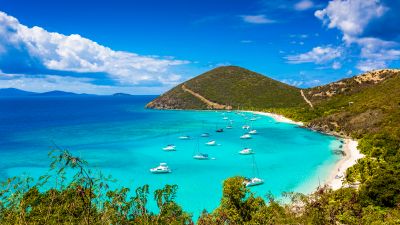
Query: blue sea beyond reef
120, 137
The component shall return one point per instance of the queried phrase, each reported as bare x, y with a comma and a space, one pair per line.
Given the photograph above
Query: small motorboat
249, 182
245, 127
229, 127
201, 156
246, 151
245, 136
220, 130
211, 143
170, 148
185, 137
225, 118
162, 168
253, 119
253, 132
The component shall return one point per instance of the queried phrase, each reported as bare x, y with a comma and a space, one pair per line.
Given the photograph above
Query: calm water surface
120, 137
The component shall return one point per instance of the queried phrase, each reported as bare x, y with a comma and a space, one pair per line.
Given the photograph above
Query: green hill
231, 87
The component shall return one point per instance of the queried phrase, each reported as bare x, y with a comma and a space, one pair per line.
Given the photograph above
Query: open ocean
119, 137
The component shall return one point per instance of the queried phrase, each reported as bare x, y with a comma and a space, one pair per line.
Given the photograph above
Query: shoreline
277, 117
351, 153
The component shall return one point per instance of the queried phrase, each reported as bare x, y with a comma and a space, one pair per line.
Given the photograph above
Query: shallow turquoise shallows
120, 137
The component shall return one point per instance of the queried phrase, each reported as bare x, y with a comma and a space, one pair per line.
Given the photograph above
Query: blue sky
147, 47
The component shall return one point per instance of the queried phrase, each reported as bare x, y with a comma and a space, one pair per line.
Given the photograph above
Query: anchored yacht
162, 168
246, 151
170, 148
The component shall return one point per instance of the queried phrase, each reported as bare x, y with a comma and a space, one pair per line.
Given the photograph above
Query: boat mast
255, 168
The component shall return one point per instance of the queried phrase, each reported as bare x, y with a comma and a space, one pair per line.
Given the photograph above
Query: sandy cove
352, 154
277, 117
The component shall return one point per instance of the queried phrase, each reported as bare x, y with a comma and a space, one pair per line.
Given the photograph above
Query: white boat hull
169, 149
211, 143
245, 136
253, 182
246, 152
159, 171
200, 157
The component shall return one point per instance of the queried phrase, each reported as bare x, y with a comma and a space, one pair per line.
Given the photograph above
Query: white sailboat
245, 136
162, 168
198, 155
170, 147
201, 156
184, 137
246, 151
253, 132
249, 182
253, 181
211, 143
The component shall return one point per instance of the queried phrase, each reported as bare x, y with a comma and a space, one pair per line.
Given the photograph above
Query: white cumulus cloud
318, 55
78, 54
352, 18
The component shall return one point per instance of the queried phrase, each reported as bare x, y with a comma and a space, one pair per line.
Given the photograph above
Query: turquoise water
120, 137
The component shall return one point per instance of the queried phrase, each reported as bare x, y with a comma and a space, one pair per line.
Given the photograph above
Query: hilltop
13, 92
230, 87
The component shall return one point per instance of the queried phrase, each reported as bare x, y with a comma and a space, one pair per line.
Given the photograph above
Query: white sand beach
278, 118
352, 154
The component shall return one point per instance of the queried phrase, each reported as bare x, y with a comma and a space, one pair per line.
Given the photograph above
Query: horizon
136, 48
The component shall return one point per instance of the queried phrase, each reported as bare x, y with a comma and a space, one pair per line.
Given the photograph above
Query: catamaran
246, 151
253, 132
198, 155
201, 156
170, 148
245, 136
245, 127
211, 143
253, 181
249, 182
162, 168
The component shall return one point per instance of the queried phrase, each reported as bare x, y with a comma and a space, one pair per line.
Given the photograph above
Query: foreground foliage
86, 199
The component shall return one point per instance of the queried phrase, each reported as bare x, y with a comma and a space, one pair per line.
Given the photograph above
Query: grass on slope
242, 88
370, 110
176, 98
